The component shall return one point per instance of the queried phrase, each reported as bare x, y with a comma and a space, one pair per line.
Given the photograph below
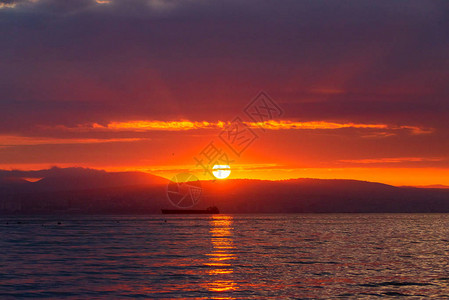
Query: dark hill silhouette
85, 179
13, 184
323, 196
79, 190
12, 181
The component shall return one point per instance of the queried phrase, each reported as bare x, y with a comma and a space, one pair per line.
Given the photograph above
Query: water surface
225, 256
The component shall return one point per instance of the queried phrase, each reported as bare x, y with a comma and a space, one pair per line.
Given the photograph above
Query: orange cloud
418, 130
7, 5
159, 125
391, 160
276, 125
154, 125
9, 140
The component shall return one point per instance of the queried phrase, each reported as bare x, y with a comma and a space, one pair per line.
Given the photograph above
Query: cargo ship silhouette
209, 210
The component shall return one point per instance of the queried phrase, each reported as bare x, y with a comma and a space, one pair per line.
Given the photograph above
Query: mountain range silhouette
90, 191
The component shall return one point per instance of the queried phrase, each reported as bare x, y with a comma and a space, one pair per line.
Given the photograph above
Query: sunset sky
362, 87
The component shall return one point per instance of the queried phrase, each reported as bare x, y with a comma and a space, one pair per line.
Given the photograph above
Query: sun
221, 171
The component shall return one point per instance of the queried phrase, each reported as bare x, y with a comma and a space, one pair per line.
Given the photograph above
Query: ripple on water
225, 256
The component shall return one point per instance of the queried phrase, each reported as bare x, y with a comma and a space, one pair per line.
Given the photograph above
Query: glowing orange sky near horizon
392, 176
388, 175
275, 155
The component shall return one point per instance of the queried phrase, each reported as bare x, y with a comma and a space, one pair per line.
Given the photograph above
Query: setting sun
221, 171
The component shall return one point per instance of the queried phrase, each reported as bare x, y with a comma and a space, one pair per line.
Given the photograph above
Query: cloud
158, 125
9, 141
47, 6
69, 7
418, 130
278, 125
183, 125
145, 59
393, 160
86, 71
7, 4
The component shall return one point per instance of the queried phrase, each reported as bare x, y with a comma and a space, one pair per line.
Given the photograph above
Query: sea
260, 256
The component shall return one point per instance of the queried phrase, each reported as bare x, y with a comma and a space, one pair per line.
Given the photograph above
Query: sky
354, 89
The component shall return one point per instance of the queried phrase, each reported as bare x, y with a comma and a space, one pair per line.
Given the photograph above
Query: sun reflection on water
221, 256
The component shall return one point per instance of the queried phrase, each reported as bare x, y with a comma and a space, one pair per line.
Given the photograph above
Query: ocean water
307, 256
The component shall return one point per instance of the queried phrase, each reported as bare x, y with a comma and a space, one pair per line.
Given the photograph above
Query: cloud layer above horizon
87, 72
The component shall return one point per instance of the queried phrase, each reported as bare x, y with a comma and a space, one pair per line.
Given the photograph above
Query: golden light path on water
221, 257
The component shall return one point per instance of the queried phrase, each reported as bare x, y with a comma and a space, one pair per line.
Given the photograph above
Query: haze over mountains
79, 190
